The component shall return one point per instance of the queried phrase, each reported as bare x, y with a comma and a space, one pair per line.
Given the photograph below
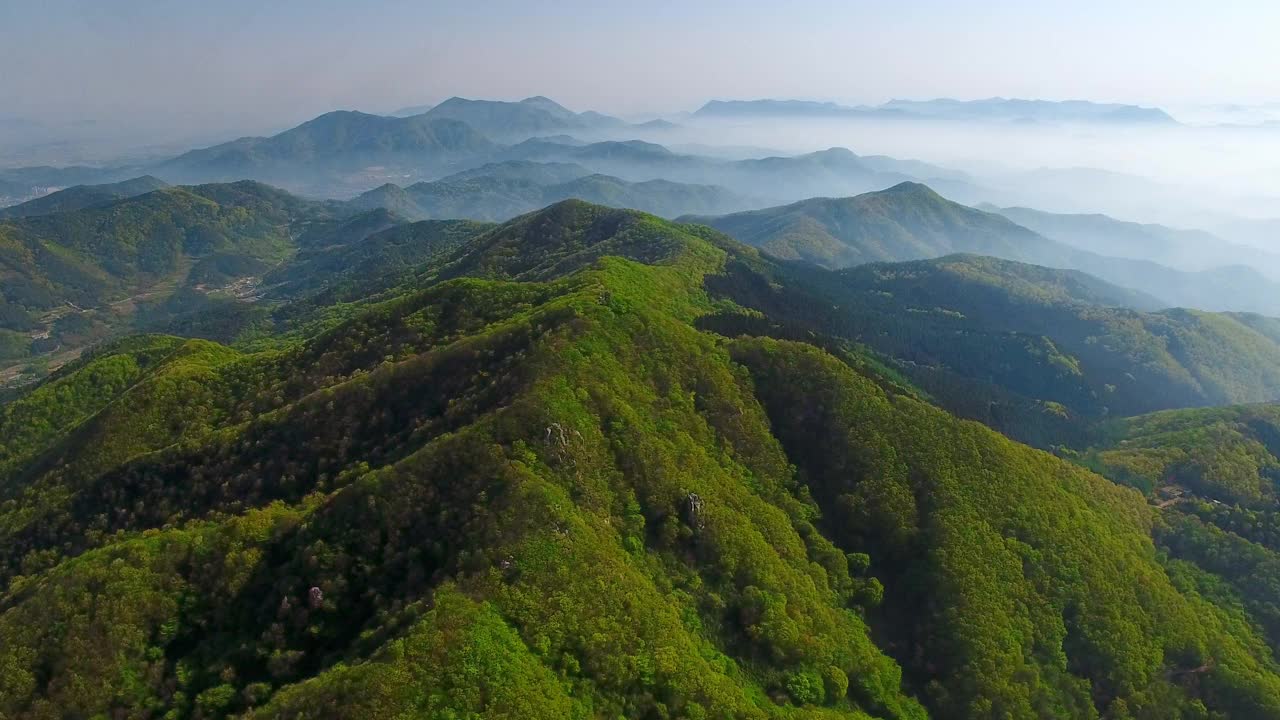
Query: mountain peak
546, 103
334, 115
843, 153
909, 187
567, 235
907, 221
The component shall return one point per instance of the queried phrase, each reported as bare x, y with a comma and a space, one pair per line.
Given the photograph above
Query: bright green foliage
1214, 471
145, 238
210, 261
999, 562
528, 482
1228, 454
461, 660
40, 417
90, 270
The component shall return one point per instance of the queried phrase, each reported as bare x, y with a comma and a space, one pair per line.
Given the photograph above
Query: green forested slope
373, 261
1026, 349
909, 221
526, 484
1230, 454
93, 255
83, 196
1214, 473
339, 140
1007, 556
509, 191
905, 222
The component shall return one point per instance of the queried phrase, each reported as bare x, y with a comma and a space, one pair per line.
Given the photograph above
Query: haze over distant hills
539, 158
1262, 233
1183, 249
989, 110
636, 404
26, 183
910, 221
515, 120
1018, 110
344, 153
82, 196
341, 142
835, 171
503, 190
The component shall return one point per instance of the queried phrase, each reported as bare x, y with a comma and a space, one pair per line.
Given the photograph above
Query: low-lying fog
1218, 170
1181, 175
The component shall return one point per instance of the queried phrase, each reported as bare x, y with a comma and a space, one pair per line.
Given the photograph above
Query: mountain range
516, 120
75, 276
530, 418
835, 171
26, 183
79, 197
999, 110
343, 153
910, 221
1183, 249
593, 463
501, 191
339, 143
1022, 111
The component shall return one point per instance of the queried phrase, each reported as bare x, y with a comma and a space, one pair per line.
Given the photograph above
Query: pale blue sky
245, 62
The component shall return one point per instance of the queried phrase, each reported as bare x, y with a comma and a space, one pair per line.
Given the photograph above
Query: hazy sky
247, 63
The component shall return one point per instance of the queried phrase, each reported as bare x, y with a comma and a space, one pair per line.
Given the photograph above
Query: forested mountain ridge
332, 151
96, 253
835, 171
235, 252
83, 196
509, 191
906, 222
527, 483
1036, 352
80, 272
342, 153
1228, 454
25, 183
529, 117
1214, 472
89, 254
910, 221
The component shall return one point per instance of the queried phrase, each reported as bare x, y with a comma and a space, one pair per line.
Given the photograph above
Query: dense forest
591, 463
1040, 354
